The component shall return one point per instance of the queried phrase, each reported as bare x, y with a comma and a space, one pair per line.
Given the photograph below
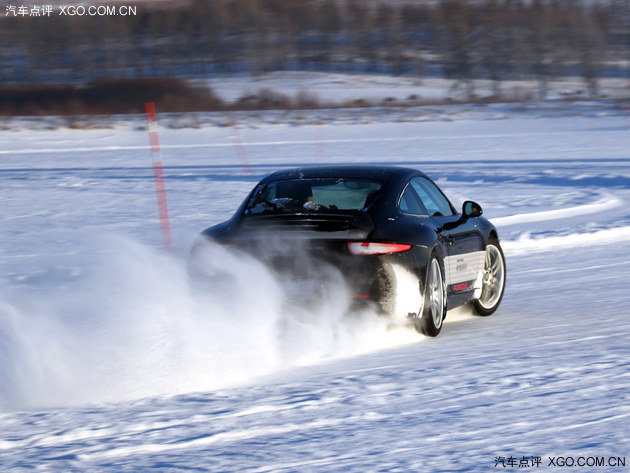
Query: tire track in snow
528, 244
606, 203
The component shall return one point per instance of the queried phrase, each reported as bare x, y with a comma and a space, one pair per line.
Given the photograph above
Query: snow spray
134, 325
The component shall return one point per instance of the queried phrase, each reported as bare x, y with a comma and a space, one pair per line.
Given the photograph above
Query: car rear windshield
313, 195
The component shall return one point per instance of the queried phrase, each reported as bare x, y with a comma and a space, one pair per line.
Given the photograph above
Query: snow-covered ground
111, 361
340, 88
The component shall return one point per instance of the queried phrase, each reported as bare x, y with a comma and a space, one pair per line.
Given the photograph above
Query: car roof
364, 171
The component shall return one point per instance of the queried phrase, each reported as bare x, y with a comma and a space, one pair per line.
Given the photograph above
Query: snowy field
110, 361
339, 88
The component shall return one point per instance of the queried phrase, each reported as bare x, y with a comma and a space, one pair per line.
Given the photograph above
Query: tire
434, 306
493, 280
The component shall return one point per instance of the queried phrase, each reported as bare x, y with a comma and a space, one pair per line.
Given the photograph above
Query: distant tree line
497, 40
106, 97
122, 96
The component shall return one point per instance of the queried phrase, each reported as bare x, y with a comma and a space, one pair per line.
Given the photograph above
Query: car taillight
369, 248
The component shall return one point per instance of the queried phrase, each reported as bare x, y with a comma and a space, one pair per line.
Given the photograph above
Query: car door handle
448, 238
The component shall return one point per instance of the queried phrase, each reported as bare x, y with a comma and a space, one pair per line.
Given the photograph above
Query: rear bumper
312, 268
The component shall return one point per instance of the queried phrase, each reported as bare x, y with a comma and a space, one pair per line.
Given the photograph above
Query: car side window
435, 202
410, 203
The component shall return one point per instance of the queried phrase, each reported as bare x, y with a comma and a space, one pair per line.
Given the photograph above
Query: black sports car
393, 234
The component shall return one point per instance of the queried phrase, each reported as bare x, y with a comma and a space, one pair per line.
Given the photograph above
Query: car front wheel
493, 283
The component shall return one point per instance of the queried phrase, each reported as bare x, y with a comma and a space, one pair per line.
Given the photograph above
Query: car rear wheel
434, 307
493, 283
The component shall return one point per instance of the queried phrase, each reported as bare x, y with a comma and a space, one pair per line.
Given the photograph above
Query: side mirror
471, 209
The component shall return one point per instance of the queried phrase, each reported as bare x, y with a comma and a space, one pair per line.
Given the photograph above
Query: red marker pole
240, 150
158, 171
